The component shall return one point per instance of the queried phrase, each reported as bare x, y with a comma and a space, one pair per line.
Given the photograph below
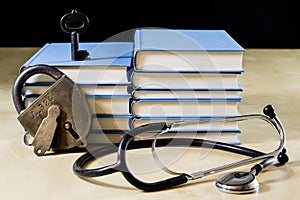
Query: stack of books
163, 75
104, 77
187, 75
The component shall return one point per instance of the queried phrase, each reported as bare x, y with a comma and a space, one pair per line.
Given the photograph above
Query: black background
261, 24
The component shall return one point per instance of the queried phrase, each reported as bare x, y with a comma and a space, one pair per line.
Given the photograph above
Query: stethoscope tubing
80, 163
127, 142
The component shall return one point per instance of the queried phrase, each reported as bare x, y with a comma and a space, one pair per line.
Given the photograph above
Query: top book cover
101, 53
186, 50
108, 62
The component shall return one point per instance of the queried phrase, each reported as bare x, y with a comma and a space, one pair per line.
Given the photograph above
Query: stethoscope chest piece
237, 183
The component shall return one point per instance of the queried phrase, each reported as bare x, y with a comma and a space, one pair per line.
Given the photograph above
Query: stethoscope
233, 182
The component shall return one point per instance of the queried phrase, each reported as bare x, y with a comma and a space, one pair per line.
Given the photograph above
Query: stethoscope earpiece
269, 111
283, 157
237, 183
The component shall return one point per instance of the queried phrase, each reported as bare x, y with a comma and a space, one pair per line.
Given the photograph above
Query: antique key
74, 23
60, 118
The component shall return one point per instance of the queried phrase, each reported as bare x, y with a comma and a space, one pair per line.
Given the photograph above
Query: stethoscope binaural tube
270, 117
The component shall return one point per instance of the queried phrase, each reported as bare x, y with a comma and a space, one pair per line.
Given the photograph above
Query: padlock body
74, 110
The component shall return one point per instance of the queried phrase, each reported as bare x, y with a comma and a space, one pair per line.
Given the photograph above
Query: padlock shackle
24, 75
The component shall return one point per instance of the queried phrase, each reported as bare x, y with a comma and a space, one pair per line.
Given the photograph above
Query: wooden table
272, 76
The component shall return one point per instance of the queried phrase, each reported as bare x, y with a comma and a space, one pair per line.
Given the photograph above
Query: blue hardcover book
220, 125
99, 104
184, 108
103, 137
186, 94
111, 123
224, 136
108, 63
185, 81
182, 50
89, 89
110, 104
108, 128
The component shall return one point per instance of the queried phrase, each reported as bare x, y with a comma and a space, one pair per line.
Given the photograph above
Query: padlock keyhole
68, 127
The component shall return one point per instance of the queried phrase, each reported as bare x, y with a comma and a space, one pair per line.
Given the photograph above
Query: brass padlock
58, 119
